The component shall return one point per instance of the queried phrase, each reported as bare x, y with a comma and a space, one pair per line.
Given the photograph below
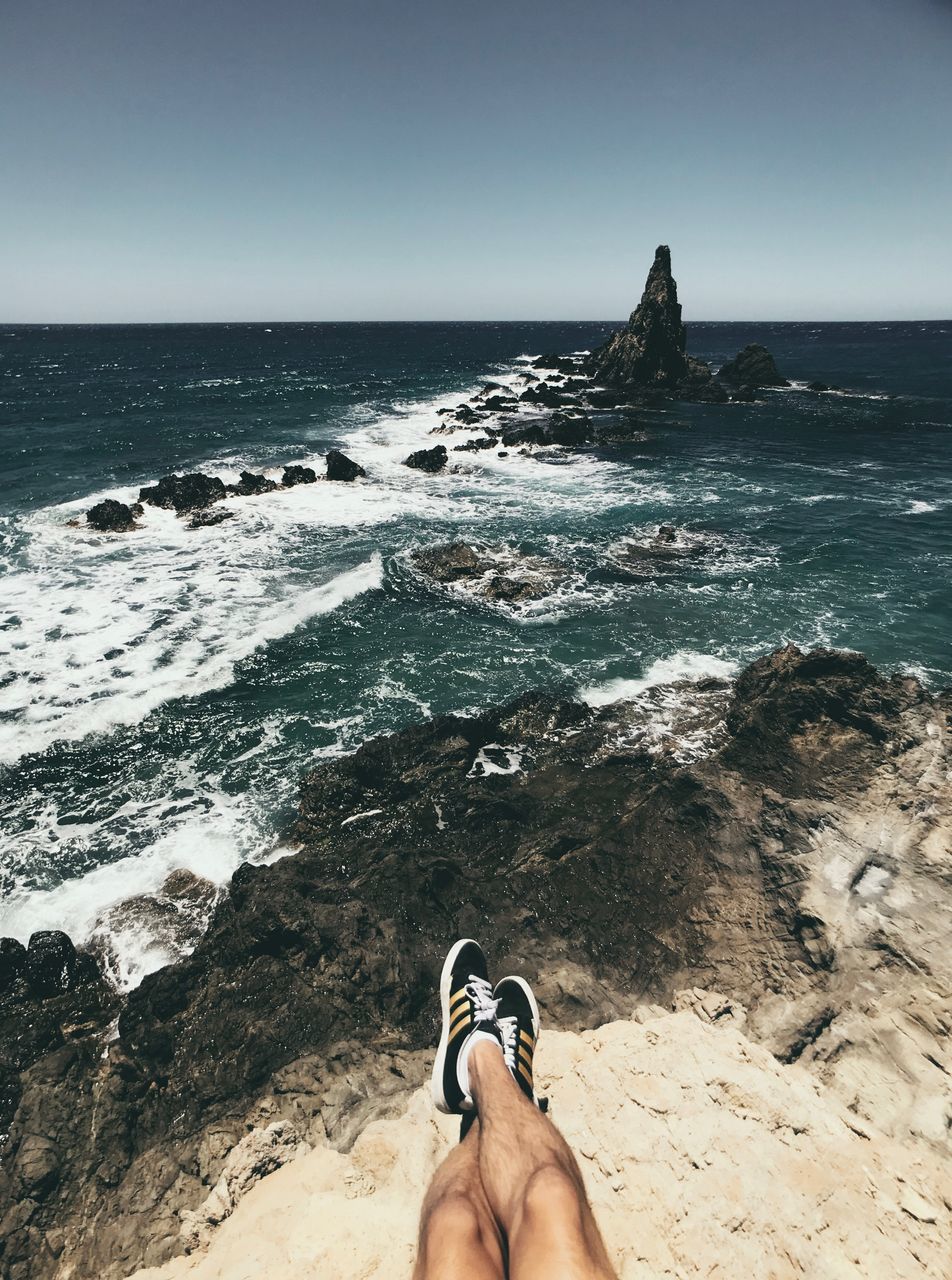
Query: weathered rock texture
752, 367
702, 1155
651, 352
802, 868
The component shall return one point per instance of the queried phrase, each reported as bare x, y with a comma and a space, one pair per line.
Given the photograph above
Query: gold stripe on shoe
525, 1072
458, 998
461, 1020
528, 1038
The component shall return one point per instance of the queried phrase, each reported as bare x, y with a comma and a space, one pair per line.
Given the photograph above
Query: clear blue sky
297, 159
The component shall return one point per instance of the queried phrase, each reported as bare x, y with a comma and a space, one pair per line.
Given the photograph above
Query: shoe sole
446, 982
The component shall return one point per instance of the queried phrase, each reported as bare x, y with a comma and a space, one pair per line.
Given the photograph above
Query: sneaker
466, 997
517, 1016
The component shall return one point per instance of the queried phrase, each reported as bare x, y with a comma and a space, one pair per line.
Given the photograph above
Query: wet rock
752, 367
295, 474
448, 563
12, 961
743, 395
651, 350
565, 364
110, 516
665, 551
52, 964
466, 416
184, 493
476, 445
488, 388
340, 467
818, 386
500, 404
545, 395
560, 429
429, 460
250, 484
208, 518
699, 384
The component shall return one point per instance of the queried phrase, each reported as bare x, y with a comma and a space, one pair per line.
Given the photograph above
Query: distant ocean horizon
161, 692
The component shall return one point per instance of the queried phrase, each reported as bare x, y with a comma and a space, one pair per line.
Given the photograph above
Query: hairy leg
532, 1182
459, 1237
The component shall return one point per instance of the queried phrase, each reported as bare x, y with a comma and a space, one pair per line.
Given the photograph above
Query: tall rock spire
650, 352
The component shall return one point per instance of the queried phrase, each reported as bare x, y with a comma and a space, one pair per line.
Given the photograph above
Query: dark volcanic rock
564, 364
251, 483
184, 493
560, 429
340, 467
650, 351
296, 474
110, 516
206, 519
500, 404
752, 367
430, 460
466, 416
476, 445
545, 395
699, 384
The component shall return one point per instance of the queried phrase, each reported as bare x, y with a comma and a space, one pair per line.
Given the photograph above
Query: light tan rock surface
703, 1155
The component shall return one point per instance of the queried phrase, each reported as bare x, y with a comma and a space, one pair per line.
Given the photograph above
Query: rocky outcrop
250, 484
340, 467
110, 516
752, 367
499, 574
186, 493
208, 518
429, 460
650, 352
701, 1154
800, 866
295, 474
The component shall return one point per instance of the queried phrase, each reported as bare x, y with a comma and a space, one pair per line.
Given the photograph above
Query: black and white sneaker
517, 1016
466, 997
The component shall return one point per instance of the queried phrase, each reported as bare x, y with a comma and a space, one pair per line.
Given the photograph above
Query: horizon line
129, 324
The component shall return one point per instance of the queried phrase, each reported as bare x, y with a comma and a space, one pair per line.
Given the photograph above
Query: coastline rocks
295, 474
182, 494
250, 484
110, 516
752, 367
428, 460
660, 553
207, 519
699, 384
340, 467
500, 574
563, 364
802, 868
650, 351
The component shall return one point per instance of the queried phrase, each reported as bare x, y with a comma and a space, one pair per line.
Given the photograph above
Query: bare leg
532, 1181
459, 1238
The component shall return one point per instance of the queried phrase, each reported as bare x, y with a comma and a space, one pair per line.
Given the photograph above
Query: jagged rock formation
702, 1156
110, 516
296, 474
186, 493
753, 367
803, 868
340, 467
428, 460
651, 352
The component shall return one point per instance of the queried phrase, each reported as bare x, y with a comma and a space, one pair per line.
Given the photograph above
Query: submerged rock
184, 493
491, 573
296, 474
429, 460
110, 516
752, 367
206, 519
340, 467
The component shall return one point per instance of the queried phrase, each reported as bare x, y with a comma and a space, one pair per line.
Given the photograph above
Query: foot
517, 1016
469, 1010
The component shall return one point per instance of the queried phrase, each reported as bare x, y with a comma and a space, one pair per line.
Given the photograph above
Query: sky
166, 160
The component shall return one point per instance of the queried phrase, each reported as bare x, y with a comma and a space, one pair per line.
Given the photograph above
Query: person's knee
454, 1216
552, 1191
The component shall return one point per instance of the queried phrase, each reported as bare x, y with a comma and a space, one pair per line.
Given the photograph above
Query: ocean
162, 692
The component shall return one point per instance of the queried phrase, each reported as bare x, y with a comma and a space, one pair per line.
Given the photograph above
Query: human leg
459, 1236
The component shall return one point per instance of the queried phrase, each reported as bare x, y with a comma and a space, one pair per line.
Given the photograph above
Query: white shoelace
481, 994
510, 1038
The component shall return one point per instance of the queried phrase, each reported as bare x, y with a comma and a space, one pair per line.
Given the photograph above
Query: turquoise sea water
161, 693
